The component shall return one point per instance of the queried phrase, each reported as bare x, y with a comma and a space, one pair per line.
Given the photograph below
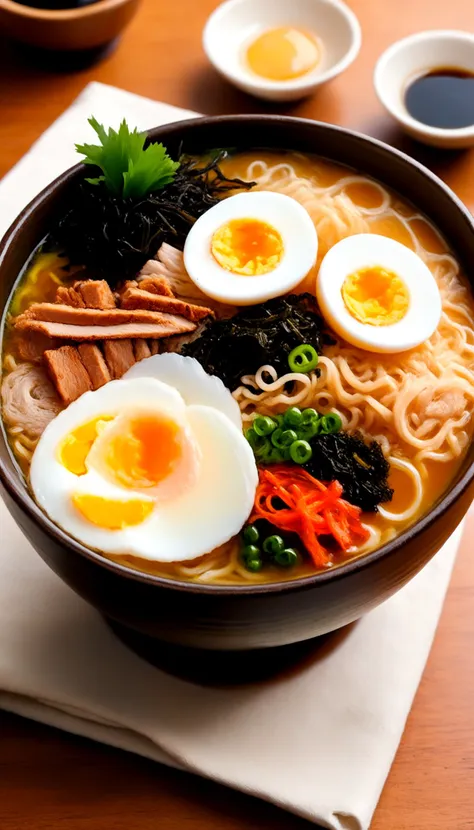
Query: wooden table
50, 780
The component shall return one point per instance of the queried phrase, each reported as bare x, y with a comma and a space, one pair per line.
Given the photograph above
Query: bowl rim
16, 8
15, 487
406, 43
306, 82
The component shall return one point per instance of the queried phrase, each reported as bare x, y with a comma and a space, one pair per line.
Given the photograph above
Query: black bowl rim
15, 488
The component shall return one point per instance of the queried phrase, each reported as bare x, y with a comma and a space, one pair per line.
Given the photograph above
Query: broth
364, 388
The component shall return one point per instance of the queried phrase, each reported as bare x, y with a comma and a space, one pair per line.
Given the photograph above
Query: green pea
273, 545
250, 552
286, 557
293, 417
330, 424
283, 438
254, 565
250, 535
264, 425
303, 359
300, 452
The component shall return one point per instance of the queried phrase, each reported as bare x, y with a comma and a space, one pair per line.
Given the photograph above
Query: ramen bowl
148, 608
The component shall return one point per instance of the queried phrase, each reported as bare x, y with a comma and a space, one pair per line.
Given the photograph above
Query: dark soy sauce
442, 98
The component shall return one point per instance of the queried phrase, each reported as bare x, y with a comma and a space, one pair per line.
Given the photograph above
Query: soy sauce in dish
442, 98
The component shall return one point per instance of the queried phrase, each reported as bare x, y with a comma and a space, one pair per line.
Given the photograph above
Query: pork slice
119, 356
96, 294
141, 349
156, 285
53, 313
67, 372
69, 296
32, 346
137, 298
170, 326
154, 346
95, 364
29, 400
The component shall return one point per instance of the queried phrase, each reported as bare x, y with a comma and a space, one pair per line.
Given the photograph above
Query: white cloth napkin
318, 741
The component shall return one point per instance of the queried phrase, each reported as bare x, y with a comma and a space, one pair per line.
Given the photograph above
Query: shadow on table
231, 668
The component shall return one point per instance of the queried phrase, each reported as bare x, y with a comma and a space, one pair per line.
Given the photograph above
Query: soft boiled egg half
378, 294
154, 465
251, 247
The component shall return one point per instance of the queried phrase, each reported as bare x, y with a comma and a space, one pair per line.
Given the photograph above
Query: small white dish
417, 55
234, 25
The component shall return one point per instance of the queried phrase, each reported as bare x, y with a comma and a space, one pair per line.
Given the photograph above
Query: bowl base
227, 668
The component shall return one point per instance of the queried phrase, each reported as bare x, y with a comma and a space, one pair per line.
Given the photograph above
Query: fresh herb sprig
129, 169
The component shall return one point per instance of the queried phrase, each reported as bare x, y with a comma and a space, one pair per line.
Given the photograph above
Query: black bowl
245, 617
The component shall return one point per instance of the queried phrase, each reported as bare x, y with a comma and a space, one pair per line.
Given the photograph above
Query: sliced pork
67, 372
95, 364
31, 347
141, 349
55, 313
69, 296
79, 334
96, 294
155, 285
119, 356
137, 298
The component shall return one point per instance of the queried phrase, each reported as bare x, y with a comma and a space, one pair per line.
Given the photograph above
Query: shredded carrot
292, 500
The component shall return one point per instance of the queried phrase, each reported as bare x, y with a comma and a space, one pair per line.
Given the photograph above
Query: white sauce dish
413, 57
324, 36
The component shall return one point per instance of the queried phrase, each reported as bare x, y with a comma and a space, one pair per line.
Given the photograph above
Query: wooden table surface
53, 781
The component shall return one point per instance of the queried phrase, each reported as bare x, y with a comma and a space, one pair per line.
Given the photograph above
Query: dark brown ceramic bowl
76, 29
221, 617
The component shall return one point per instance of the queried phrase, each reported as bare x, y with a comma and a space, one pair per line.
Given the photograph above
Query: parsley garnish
129, 170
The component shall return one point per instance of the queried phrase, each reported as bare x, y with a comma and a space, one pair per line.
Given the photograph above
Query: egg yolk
145, 451
375, 296
111, 514
76, 446
248, 247
283, 54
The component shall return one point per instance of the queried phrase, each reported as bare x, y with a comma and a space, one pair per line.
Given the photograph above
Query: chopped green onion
254, 565
303, 359
293, 417
273, 545
273, 456
300, 452
250, 552
283, 438
263, 448
264, 425
330, 424
310, 425
286, 557
309, 416
250, 535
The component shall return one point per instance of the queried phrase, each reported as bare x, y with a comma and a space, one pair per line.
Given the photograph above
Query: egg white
205, 512
190, 379
286, 215
370, 250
